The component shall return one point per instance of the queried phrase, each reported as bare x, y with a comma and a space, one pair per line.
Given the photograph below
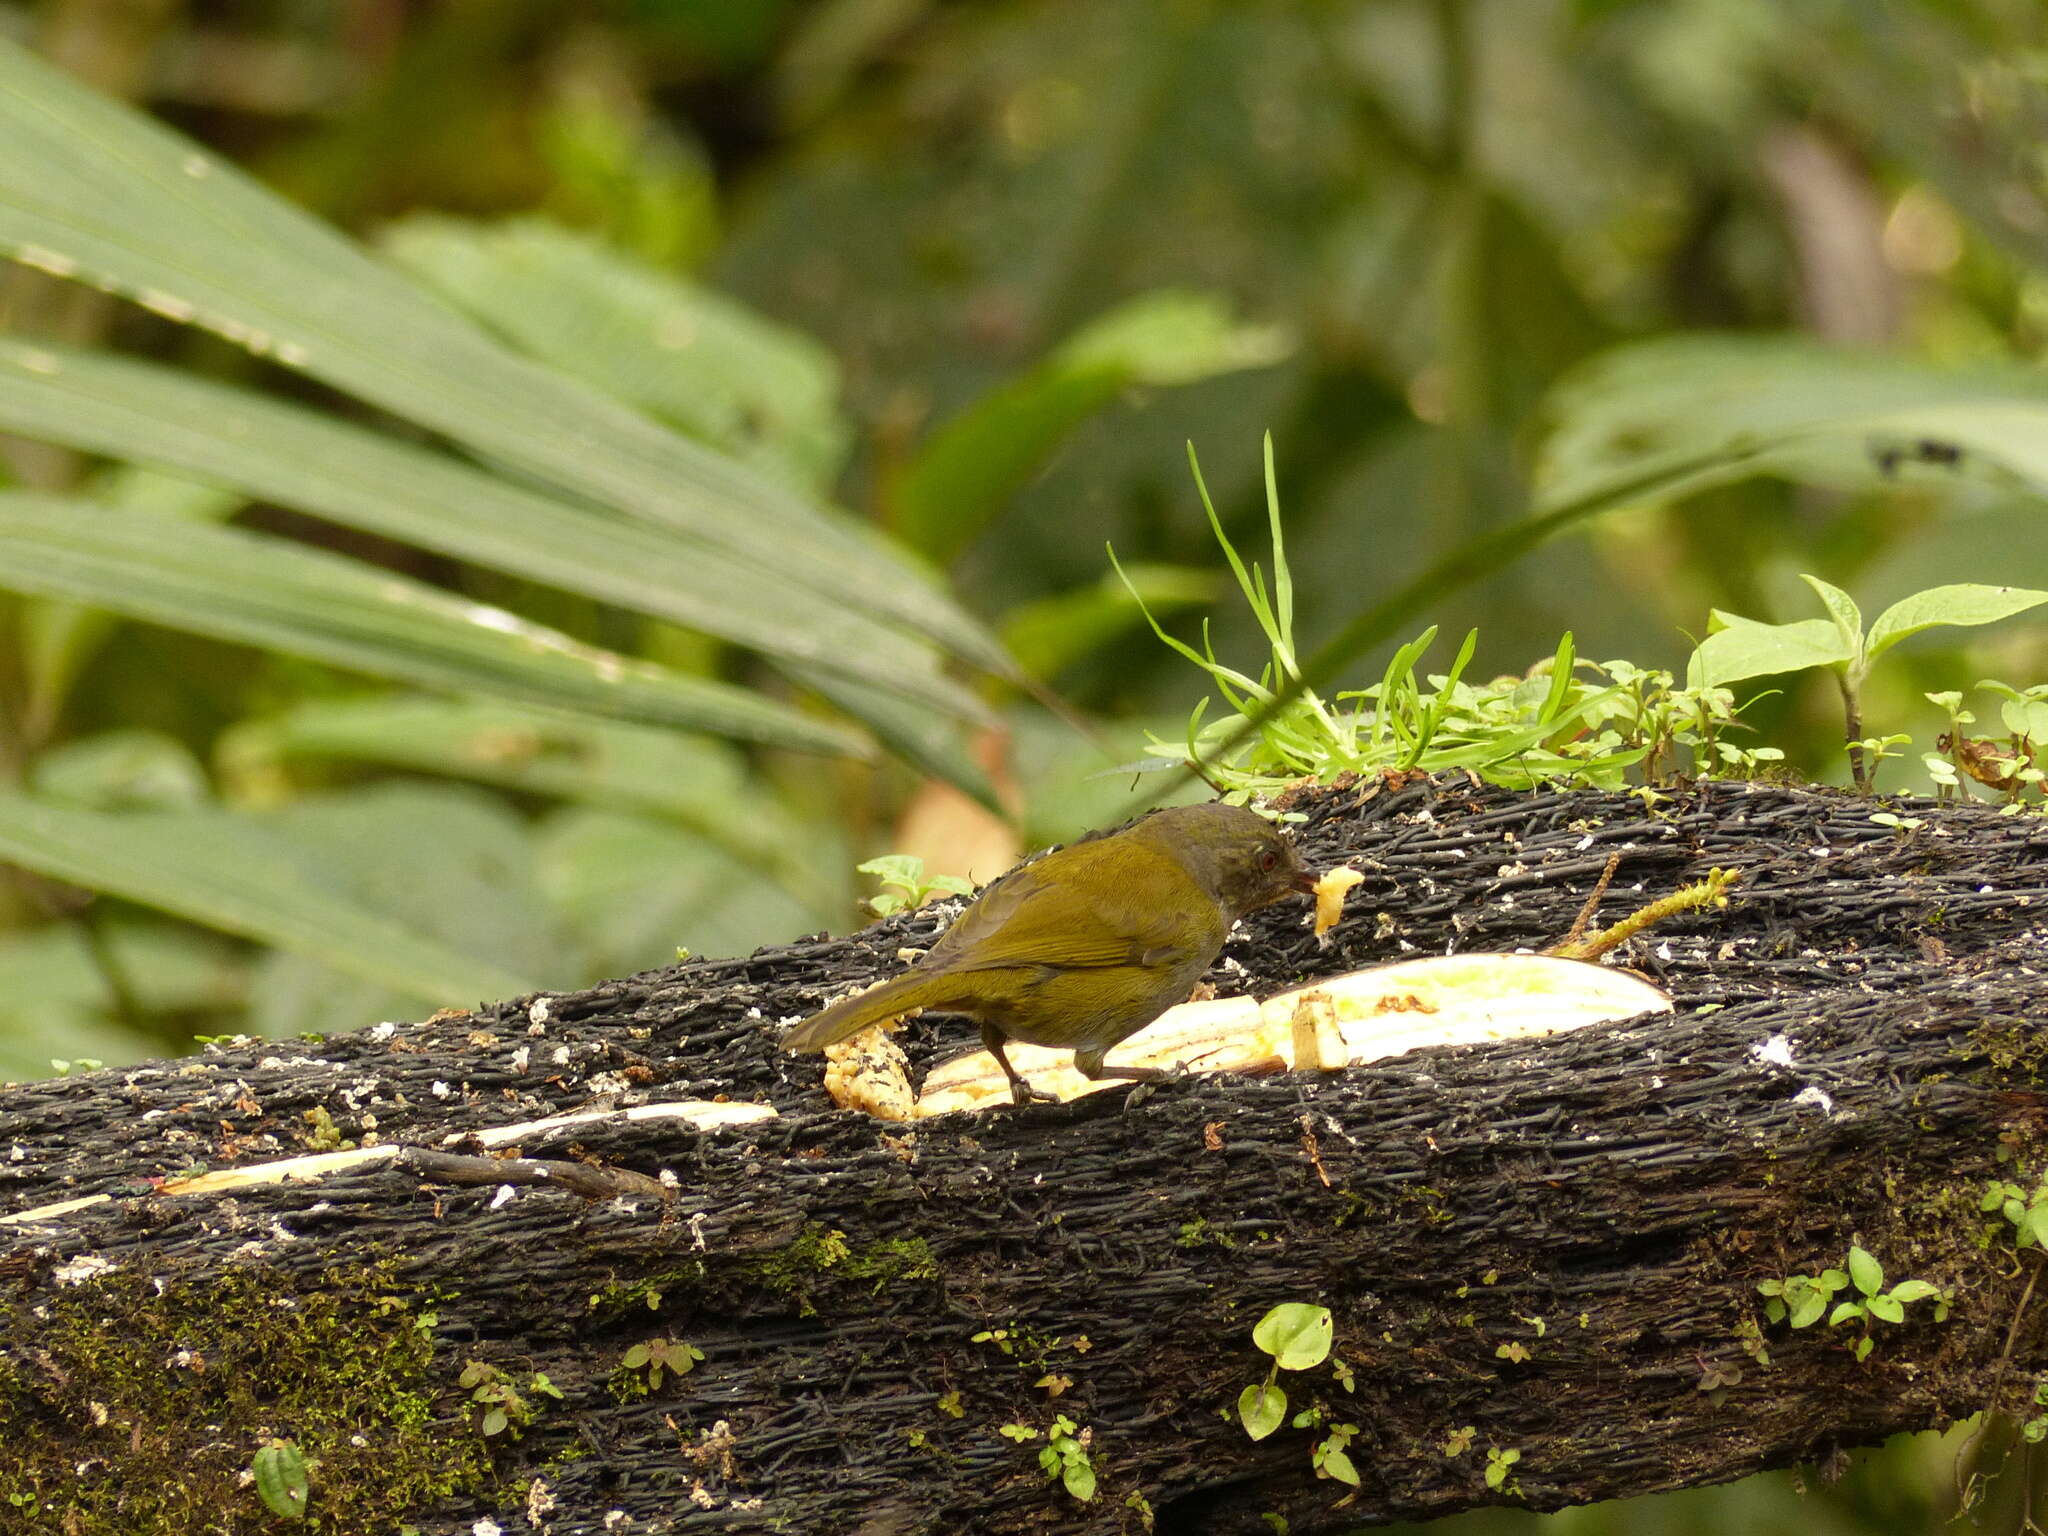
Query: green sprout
904, 886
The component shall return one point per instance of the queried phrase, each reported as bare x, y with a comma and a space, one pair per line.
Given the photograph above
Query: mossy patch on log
132, 1402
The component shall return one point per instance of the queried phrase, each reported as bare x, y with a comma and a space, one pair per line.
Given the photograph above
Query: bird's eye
1268, 859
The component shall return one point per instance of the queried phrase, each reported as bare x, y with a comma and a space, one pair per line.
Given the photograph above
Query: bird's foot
1022, 1093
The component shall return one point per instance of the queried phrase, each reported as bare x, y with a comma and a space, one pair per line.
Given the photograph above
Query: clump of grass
1563, 720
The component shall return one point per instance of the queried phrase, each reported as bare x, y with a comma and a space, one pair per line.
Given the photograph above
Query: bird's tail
850, 1015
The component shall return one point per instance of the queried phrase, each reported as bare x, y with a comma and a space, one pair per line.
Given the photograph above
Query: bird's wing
1030, 918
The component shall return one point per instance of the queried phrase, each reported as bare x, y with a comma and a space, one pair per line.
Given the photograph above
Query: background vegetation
706, 473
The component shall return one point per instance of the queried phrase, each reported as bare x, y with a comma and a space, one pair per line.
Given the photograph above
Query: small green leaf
1774, 1310
1887, 1309
1914, 1290
1337, 1464
1261, 1407
1842, 609
1967, 603
1078, 1478
281, 1482
1847, 1311
1807, 1310
494, 1421
1296, 1334
1742, 648
1865, 1270
1863, 1348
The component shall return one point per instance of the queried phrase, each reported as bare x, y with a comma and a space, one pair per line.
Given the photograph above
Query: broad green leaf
1658, 419
1964, 604
1887, 1309
633, 890
1865, 1273
1914, 1290
688, 355
1745, 649
477, 892
913, 730
1296, 1334
58, 639
1842, 609
348, 474
962, 477
1845, 1311
132, 770
56, 998
94, 190
284, 596
231, 873
700, 784
1050, 634
1261, 1408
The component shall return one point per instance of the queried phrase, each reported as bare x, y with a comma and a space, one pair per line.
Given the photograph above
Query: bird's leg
1021, 1092
1089, 1064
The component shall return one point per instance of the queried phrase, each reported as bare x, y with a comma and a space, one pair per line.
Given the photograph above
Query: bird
1084, 946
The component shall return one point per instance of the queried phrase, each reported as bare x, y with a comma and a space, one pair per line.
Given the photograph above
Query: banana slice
1342, 1021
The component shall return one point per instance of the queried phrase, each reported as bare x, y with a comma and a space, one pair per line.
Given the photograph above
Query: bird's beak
1305, 882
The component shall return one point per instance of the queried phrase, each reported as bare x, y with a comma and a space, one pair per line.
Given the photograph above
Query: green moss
1199, 1234
135, 1403
819, 1255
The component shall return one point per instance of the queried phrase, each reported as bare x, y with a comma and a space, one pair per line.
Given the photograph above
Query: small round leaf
1338, 1465
280, 1473
1865, 1270
1261, 1406
1295, 1334
1807, 1310
1079, 1479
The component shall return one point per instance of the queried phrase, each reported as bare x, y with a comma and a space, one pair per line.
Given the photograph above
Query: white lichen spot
97, 1412
561, 1056
17, 1153
536, 1030
616, 1519
537, 1010
520, 1058
87, 1266
1777, 1050
383, 1031
440, 1090
505, 1196
1816, 1096
487, 1527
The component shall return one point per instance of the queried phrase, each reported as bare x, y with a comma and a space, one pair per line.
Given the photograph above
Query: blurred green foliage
786, 355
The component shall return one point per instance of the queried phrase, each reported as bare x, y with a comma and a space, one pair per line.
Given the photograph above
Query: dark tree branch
1856, 1041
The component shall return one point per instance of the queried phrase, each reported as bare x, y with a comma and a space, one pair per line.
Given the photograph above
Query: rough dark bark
1607, 1201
